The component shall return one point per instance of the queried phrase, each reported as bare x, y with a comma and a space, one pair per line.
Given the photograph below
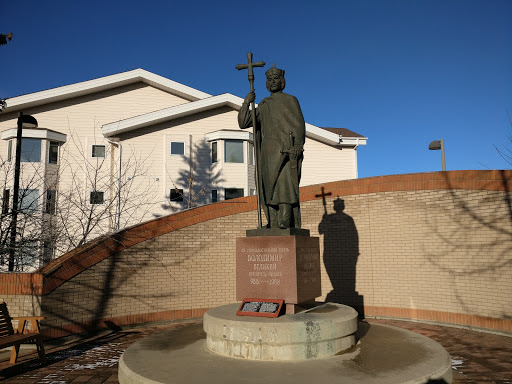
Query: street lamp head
436, 144
29, 121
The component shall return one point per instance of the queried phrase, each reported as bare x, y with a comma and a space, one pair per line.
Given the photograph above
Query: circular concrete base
384, 355
318, 333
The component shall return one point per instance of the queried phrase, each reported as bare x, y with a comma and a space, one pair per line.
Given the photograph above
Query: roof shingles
343, 132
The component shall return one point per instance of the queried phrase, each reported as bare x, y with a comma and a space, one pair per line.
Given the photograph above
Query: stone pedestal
278, 267
316, 333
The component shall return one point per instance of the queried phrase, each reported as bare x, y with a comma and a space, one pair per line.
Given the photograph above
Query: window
233, 151
31, 150
28, 200
27, 254
214, 152
250, 155
54, 152
98, 151
176, 195
177, 148
48, 251
214, 196
5, 202
51, 201
96, 197
9, 150
233, 193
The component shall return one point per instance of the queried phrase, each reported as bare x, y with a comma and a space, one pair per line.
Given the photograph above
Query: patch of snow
457, 364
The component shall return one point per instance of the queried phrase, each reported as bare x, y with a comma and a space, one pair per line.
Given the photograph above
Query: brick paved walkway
478, 358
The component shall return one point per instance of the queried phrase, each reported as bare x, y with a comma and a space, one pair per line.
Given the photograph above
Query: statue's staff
256, 136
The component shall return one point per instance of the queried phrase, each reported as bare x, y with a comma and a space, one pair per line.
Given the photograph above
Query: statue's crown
274, 71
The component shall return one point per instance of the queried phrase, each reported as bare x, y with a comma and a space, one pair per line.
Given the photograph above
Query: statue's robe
277, 116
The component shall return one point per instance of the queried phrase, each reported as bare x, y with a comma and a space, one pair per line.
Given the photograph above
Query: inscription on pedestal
266, 264
307, 265
281, 267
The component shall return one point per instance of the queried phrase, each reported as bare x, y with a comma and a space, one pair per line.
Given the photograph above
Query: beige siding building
117, 150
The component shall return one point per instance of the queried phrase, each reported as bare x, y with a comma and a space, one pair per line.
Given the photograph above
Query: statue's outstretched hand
251, 96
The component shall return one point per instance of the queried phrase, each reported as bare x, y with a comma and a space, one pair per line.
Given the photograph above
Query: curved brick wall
429, 246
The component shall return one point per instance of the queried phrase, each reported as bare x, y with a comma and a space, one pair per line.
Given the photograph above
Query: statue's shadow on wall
341, 251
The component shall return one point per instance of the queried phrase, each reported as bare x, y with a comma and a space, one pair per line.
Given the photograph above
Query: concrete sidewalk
477, 357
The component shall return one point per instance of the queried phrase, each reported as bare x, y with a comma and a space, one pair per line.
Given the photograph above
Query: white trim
356, 171
101, 84
228, 135
164, 170
166, 114
332, 138
353, 141
322, 135
40, 133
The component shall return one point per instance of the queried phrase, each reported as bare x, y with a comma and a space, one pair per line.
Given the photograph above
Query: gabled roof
199, 102
344, 132
171, 113
101, 84
347, 137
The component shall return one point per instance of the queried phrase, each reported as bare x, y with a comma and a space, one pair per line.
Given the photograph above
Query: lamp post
438, 144
26, 121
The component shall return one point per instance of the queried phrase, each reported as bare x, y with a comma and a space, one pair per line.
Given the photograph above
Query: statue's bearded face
275, 83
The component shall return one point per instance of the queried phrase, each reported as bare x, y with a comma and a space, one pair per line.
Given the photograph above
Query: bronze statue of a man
280, 134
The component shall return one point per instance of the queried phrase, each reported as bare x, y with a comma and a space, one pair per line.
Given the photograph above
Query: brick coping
54, 274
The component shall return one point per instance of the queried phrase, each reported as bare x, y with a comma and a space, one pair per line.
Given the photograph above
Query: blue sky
402, 73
